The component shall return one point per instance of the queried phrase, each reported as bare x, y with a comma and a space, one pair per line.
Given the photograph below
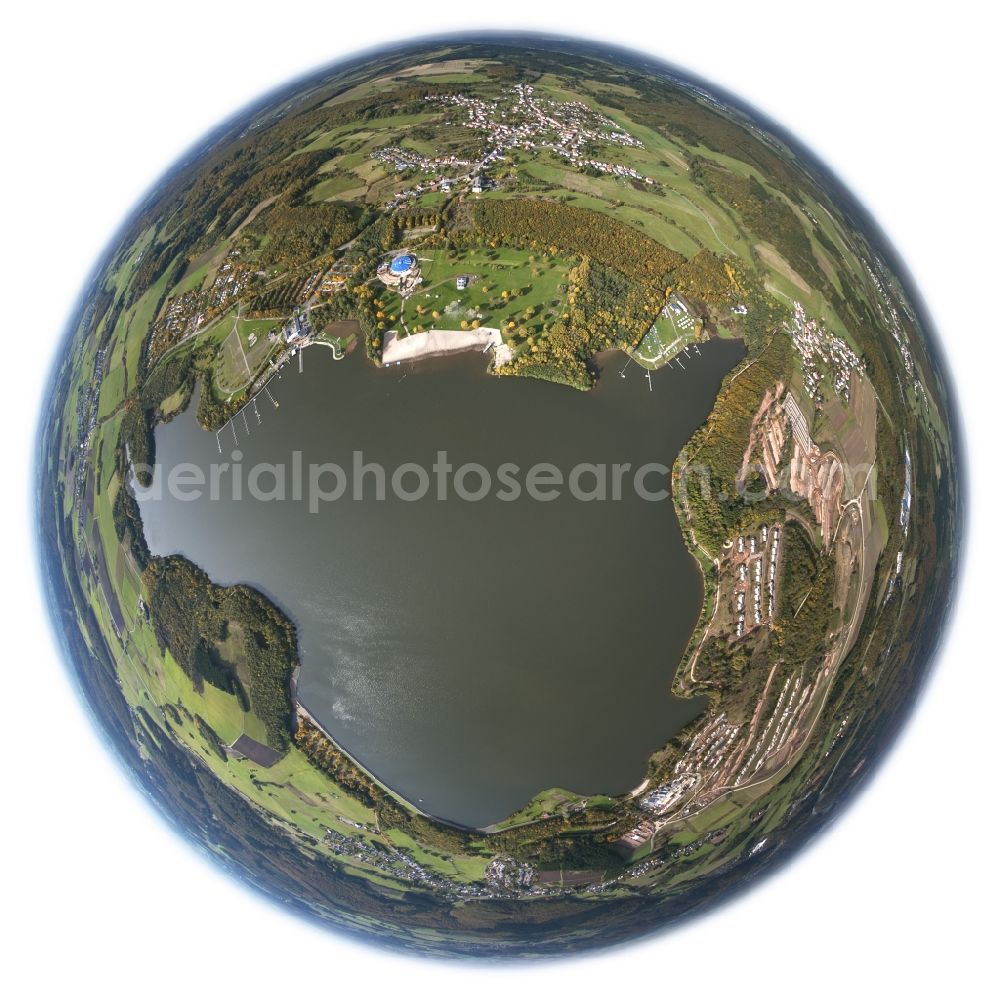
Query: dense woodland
580, 232
604, 309
710, 464
297, 234
328, 757
799, 564
128, 525
279, 298
192, 617
807, 614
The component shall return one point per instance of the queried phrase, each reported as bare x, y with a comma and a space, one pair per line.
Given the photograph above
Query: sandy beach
435, 342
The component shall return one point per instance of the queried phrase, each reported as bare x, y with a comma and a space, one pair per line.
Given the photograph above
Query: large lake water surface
469, 654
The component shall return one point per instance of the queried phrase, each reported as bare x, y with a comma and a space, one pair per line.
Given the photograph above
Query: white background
98, 99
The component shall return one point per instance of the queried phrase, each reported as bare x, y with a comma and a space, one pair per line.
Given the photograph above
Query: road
715, 611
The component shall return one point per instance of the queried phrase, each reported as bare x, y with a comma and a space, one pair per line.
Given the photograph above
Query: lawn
237, 361
464, 867
664, 342
506, 284
550, 801
103, 506
339, 187
664, 216
292, 789
113, 386
259, 329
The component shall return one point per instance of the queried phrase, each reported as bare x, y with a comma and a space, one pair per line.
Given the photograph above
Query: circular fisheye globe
499, 496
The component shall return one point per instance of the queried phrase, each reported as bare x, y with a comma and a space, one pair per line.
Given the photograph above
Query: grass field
506, 285
292, 789
546, 803
238, 361
465, 868
112, 388
232, 368
340, 187
664, 342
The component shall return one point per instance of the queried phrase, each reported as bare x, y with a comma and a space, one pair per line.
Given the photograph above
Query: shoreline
435, 343
302, 712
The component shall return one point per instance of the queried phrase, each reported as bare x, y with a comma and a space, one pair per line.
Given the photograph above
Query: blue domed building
403, 264
401, 272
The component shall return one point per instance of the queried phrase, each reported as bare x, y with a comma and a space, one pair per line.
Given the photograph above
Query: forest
128, 525
799, 563
577, 231
296, 234
192, 617
279, 298
329, 758
715, 505
135, 436
807, 614
605, 309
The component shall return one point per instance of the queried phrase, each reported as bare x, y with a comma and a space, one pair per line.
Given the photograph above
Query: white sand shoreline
438, 342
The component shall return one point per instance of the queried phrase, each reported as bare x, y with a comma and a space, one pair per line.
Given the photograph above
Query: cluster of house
907, 498
396, 863
530, 122
508, 875
230, 280
503, 877
890, 314
86, 421
406, 159
399, 158
523, 120
751, 562
710, 747
636, 837
822, 352
681, 316
775, 733
189, 311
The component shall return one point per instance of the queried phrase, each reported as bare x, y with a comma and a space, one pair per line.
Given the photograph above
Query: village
569, 129
752, 565
822, 352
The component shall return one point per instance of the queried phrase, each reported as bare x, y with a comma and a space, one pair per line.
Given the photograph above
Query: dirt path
715, 611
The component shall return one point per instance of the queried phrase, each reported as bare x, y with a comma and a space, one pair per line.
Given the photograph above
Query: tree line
712, 499
297, 234
604, 309
539, 224
192, 616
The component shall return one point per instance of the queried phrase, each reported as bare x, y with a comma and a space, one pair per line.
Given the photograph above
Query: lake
469, 654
